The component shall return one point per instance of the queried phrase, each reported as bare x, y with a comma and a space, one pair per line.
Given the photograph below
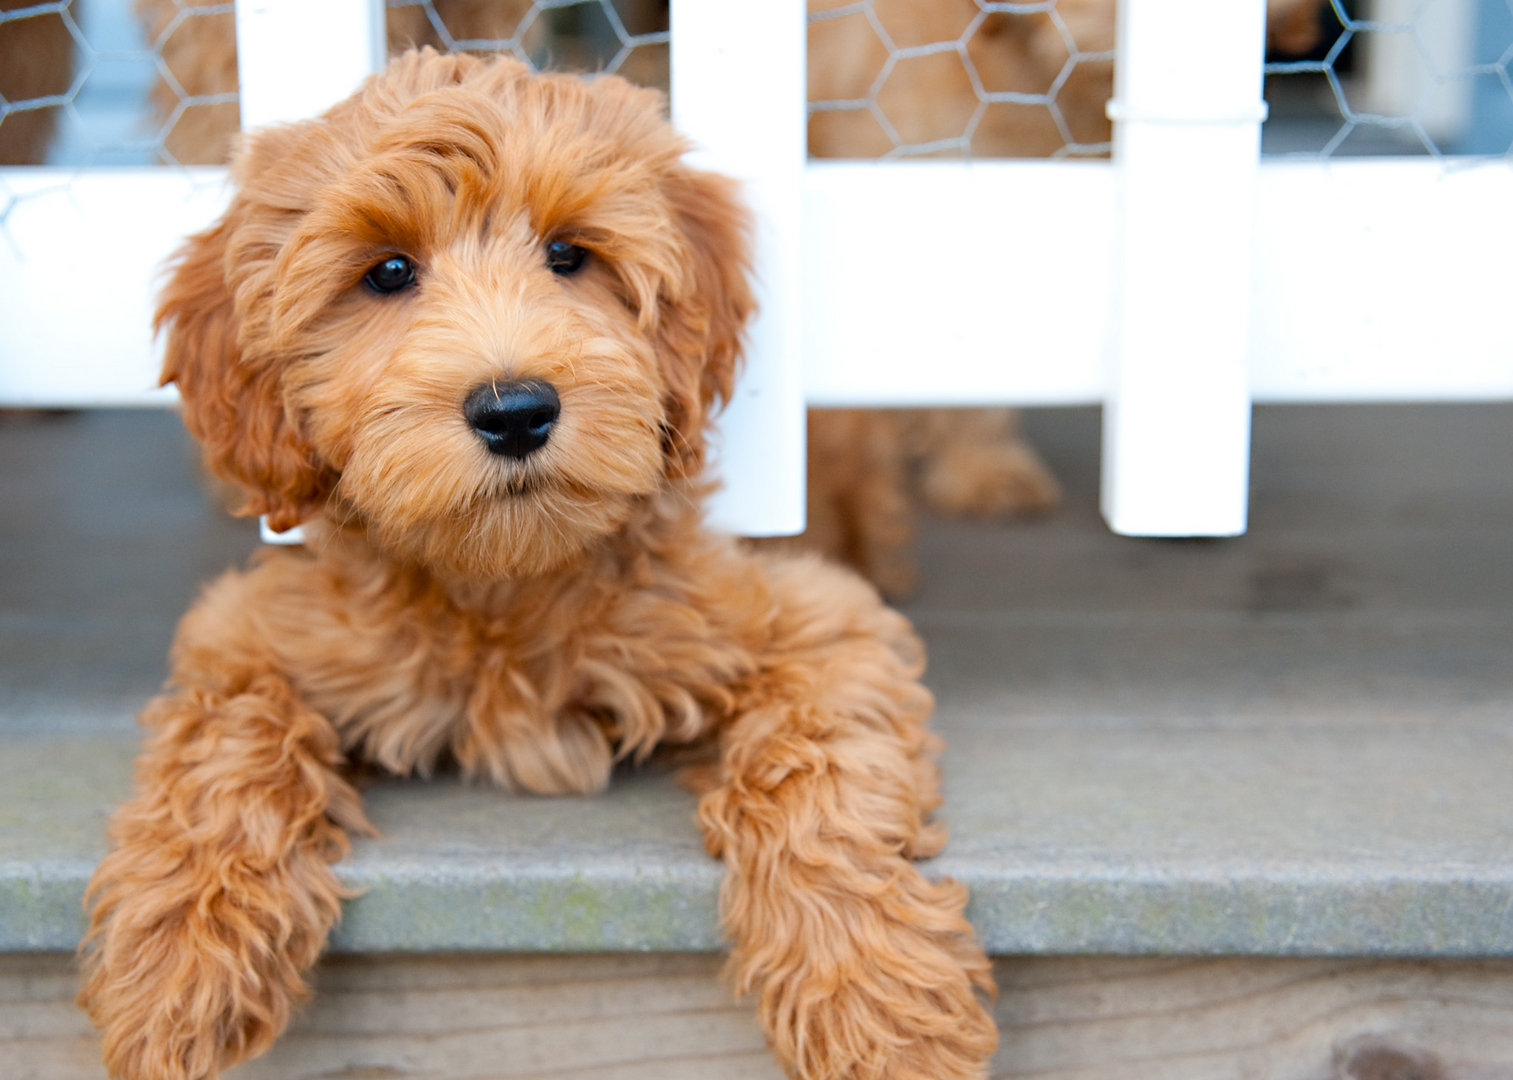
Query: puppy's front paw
866, 970
177, 993
219, 892
907, 1004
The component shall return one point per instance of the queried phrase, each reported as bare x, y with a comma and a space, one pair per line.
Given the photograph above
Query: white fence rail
1176, 284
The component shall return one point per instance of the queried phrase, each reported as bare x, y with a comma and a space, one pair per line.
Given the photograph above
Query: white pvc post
738, 91
297, 58
1187, 114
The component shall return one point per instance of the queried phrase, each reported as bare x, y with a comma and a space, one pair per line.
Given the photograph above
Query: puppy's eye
391, 275
564, 258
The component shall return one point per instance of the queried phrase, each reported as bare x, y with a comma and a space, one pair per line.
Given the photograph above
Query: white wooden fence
1176, 284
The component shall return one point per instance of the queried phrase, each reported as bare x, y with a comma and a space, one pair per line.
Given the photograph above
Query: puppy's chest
410, 684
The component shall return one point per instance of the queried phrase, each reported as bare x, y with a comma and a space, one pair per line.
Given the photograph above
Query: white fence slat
81, 259
943, 283
297, 58
738, 81
1381, 279
1186, 146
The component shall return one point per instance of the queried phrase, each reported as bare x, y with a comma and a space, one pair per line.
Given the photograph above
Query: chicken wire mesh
103, 82
1399, 77
952, 78
108, 83
958, 78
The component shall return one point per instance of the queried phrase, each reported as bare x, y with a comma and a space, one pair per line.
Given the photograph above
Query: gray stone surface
1293, 742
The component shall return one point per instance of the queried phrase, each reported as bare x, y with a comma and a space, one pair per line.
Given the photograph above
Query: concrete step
1296, 742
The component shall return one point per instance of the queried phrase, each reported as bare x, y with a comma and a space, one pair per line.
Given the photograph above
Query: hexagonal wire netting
933, 78
1406, 77
109, 82
105, 82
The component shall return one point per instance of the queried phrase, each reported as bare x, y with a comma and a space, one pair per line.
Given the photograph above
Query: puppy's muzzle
514, 419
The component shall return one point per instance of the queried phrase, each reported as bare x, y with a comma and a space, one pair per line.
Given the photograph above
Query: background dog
470, 327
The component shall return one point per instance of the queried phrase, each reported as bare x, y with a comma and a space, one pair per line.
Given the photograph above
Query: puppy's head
481, 312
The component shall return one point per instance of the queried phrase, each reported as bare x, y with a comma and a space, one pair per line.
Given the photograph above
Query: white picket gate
1176, 284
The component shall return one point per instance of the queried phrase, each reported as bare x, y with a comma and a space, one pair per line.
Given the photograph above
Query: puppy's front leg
219, 892
866, 970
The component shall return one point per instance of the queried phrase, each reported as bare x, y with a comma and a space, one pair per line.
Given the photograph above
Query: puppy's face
482, 313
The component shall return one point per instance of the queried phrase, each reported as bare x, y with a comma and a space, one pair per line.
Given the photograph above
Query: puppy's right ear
232, 404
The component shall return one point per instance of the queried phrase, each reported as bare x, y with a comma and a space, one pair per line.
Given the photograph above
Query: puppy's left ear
702, 321
232, 405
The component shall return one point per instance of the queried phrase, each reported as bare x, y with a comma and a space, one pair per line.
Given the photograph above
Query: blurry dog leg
857, 466
858, 501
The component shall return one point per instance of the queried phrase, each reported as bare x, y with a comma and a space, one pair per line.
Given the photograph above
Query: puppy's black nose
514, 419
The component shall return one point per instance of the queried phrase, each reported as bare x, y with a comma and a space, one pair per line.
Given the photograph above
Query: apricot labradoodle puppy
469, 327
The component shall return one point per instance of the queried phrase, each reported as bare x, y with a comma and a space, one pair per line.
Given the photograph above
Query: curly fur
531, 620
